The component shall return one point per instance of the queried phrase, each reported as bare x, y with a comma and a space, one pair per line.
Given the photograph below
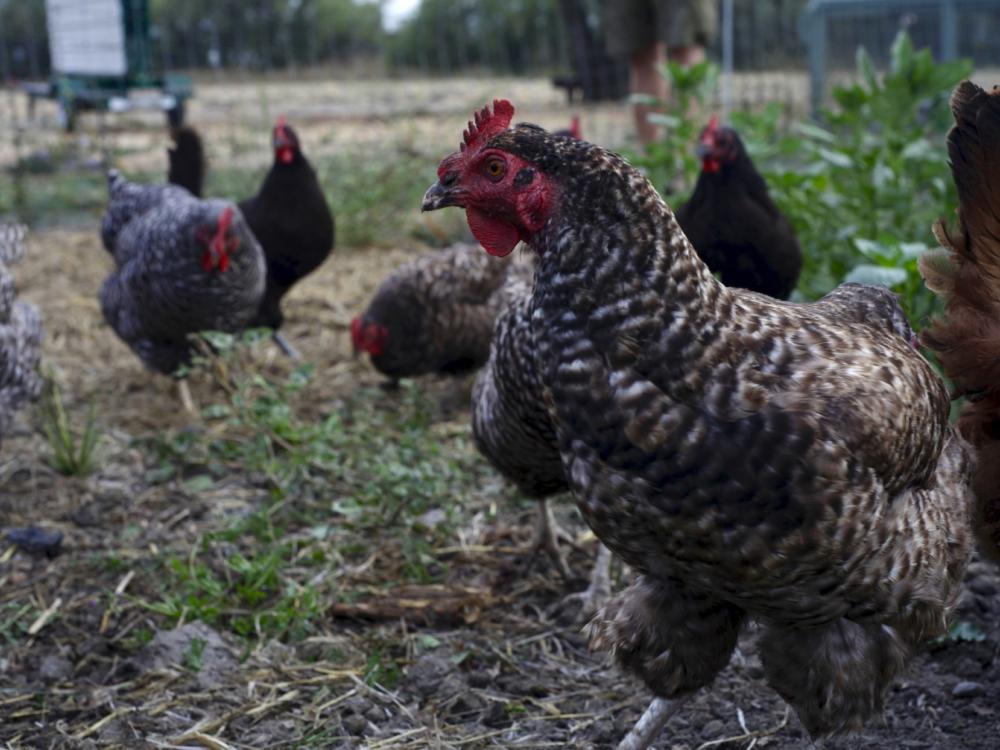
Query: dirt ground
512, 671
487, 657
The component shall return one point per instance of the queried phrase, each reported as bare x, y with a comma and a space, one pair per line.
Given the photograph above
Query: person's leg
630, 33
645, 78
691, 55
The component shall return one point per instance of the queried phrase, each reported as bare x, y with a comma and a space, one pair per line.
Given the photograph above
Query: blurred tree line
442, 36
507, 36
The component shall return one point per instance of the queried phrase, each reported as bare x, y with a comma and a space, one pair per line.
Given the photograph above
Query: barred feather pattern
781, 459
439, 310
20, 333
510, 420
965, 274
159, 293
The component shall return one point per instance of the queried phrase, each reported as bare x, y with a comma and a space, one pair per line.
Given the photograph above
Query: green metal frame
76, 92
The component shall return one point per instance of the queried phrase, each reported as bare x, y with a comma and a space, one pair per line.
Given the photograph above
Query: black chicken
187, 160
291, 219
733, 223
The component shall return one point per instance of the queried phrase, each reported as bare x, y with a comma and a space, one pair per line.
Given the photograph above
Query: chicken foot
547, 534
285, 346
651, 723
186, 401
598, 590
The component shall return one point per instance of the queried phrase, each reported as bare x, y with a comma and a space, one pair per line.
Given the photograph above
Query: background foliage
862, 188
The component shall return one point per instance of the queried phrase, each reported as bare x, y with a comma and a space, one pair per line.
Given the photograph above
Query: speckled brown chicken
20, 333
750, 458
434, 314
182, 265
512, 428
966, 275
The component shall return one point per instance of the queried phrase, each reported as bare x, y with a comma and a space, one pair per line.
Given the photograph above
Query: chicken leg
651, 723
598, 590
285, 346
186, 401
547, 534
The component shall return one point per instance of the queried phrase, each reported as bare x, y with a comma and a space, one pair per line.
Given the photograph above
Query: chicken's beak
703, 149
438, 196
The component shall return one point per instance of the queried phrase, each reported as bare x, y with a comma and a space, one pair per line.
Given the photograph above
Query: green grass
335, 487
73, 451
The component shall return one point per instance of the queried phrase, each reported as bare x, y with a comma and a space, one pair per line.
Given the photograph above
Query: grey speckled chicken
20, 334
751, 458
183, 265
434, 314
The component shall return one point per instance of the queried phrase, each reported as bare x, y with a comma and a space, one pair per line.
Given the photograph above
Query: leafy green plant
671, 161
873, 178
73, 451
862, 187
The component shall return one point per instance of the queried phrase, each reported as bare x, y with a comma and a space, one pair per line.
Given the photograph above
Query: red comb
280, 125
225, 221
713, 124
574, 128
486, 124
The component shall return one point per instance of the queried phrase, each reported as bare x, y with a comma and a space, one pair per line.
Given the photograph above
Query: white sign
87, 37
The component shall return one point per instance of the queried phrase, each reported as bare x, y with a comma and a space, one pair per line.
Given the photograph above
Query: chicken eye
495, 169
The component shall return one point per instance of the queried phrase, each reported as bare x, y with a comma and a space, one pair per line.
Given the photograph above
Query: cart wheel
175, 115
67, 115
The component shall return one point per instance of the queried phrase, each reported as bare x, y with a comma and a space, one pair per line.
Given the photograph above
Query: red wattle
497, 236
285, 155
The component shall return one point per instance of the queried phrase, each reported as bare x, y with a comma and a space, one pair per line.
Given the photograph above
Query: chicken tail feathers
186, 160
966, 276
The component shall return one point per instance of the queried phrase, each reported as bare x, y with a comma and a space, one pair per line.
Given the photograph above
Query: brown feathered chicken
966, 275
512, 429
434, 314
182, 265
751, 458
732, 222
20, 333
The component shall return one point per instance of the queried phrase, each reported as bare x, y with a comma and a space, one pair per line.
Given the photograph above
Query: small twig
748, 735
98, 726
44, 618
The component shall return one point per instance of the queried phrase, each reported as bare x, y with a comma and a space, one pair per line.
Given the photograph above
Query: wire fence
562, 39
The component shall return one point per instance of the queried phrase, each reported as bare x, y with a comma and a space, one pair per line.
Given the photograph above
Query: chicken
512, 429
733, 223
187, 160
434, 314
20, 334
750, 458
291, 219
573, 131
966, 275
182, 265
